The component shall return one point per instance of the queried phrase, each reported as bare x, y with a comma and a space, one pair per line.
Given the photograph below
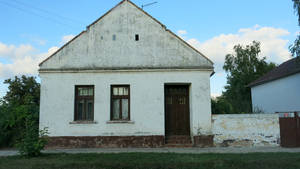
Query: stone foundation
106, 142
204, 141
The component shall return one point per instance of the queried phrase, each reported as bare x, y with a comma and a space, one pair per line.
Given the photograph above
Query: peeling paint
246, 130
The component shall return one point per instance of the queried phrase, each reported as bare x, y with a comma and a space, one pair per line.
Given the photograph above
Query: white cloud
22, 59
12, 51
65, 39
182, 32
273, 44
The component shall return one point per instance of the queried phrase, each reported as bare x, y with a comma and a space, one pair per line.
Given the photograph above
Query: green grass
154, 161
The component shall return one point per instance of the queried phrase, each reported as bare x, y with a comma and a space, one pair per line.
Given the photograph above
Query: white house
279, 89
126, 81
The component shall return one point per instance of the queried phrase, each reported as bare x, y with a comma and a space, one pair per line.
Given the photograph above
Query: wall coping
214, 116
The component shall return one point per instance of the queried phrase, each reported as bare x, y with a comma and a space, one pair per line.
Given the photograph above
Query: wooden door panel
290, 130
177, 110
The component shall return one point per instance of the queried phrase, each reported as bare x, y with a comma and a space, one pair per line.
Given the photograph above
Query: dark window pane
84, 91
120, 103
115, 91
182, 100
84, 101
126, 91
125, 109
116, 109
89, 110
121, 91
91, 92
80, 107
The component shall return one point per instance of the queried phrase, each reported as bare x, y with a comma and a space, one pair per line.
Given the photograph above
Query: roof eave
270, 80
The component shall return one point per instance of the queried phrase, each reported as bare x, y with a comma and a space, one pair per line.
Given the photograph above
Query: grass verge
154, 161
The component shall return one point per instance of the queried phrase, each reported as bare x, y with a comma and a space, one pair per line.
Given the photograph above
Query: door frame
188, 85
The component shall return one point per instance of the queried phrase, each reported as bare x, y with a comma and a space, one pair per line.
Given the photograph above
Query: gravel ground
165, 150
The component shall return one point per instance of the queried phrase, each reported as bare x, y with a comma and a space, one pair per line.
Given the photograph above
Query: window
137, 37
114, 37
120, 102
84, 103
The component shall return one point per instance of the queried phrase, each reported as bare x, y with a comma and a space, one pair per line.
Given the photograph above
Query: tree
243, 67
22, 91
297, 9
295, 48
21, 101
221, 106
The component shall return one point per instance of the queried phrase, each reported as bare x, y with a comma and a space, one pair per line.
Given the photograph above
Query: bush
33, 141
221, 106
21, 101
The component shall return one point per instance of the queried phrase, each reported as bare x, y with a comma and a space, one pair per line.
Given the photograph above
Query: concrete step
178, 139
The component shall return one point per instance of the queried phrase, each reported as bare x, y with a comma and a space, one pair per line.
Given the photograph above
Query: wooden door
289, 129
177, 114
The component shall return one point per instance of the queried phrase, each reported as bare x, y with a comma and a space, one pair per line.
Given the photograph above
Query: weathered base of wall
204, 141
106, 142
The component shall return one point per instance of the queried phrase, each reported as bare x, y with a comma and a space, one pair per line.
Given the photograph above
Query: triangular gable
96, 49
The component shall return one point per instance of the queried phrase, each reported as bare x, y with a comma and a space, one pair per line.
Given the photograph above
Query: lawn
154, 161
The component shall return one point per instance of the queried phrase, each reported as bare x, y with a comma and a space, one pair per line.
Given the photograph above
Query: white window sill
83, 122
119, 122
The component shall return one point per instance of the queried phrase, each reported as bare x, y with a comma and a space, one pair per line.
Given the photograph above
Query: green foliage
21, 101
33, 141
297, 9
22, 91
295, 48
221, 106
243, 67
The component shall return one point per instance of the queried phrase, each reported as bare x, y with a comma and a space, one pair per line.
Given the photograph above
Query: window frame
85, 98
112, 97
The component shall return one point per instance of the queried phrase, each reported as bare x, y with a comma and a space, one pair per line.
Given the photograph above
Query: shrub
221, 106
21, 101
33, 141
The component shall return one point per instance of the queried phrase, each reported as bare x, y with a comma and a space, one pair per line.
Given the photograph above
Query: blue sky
31, 30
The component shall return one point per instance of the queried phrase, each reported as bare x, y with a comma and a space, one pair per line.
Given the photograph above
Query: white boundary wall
246, 130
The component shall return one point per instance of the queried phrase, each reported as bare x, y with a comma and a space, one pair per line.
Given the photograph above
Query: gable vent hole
137, 38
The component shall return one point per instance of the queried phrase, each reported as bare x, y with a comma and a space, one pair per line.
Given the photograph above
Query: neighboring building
126, 81
278, 90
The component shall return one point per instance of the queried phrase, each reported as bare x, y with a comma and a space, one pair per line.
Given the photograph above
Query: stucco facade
126, 46
281, 95
147, 102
